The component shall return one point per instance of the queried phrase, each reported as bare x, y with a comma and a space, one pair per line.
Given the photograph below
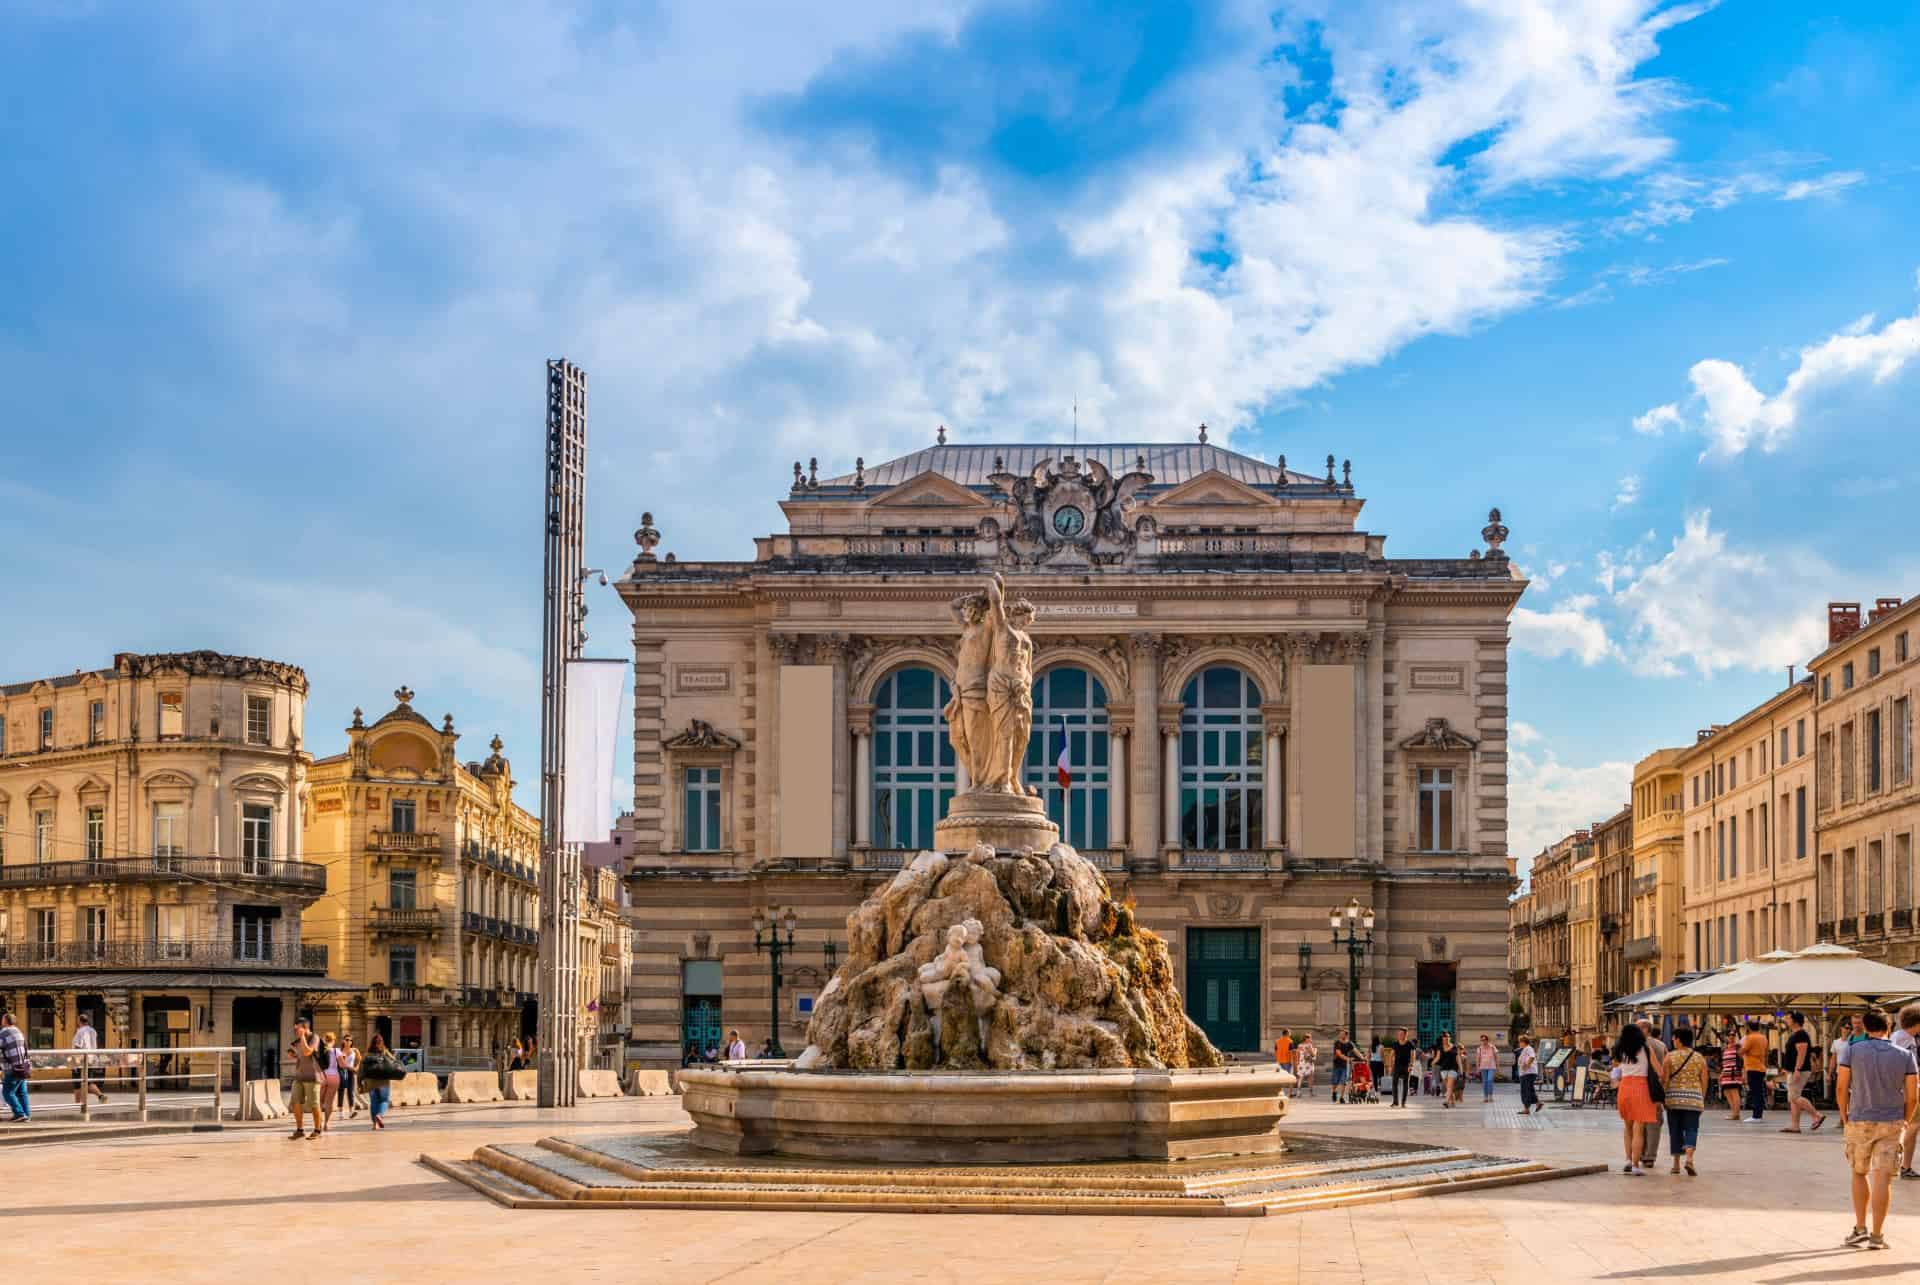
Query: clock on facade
1069, 521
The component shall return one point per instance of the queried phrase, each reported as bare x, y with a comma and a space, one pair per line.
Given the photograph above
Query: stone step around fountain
615, 1172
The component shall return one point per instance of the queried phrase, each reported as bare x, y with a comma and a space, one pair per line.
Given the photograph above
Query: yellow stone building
151, 870
1748, 820
1549, 981
606, 957
1613, 879
1655, 952
1520, 952
1868, 809
433, 890
1583, 935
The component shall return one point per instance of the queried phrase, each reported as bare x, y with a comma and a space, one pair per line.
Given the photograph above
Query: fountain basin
988, 1117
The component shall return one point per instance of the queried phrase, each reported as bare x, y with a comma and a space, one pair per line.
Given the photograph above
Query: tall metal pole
565, 502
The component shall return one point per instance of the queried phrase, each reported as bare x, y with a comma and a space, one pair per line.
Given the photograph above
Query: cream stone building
1613, 879
606, 957
432, 908
1868, 806
1260, 716
1655, 948
1549, 982
1748, 820
151, 870
1583, 935
1520, 953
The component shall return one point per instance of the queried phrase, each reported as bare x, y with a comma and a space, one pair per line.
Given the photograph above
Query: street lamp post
767, 940
1357, 946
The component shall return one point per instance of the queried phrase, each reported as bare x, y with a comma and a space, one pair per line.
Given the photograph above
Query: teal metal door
702, 1027
1434, 1000
1223, 985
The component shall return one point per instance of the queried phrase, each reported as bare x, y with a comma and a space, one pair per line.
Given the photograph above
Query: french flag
1064, 776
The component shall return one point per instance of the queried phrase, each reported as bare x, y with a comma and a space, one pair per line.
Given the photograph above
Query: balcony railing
1902, 921
911, 546
1216, 546
1609, 923
405, 919
1580, 914
299, 875
296, 957
424, 843
494, 859
1253, 861
1850, 926
1641, 948
487, 925
1875, 923
1644, 884
484, 997
403, 993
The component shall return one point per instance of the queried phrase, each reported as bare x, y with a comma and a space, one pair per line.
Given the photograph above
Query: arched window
1070, 707
913, 771
1222, 748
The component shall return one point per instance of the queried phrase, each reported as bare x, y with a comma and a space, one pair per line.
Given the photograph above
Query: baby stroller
1360, 1084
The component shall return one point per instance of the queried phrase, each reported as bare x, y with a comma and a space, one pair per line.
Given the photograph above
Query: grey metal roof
1170, 463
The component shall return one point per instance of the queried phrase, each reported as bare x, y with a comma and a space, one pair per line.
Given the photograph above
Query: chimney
1881, 606
1843, 621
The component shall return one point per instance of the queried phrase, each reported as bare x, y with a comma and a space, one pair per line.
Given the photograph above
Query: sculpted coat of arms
1068, 514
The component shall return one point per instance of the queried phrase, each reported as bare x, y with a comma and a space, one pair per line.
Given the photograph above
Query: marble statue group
991, 713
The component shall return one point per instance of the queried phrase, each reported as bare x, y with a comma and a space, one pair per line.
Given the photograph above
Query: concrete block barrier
523, 1086
419, 1089
263, 1101
474, 1086
649, 1084
600, 1084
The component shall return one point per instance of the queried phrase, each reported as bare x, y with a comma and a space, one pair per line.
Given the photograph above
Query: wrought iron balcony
484, 997
405, 919
1642, 948
403, 993
303, 876
423, 843
1644, 884
487, 925
1609, 923
297, 957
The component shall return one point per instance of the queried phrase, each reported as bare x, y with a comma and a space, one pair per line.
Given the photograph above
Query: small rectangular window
1872, 734
96, 722
403, 890
401, 814
702, 810
96, 832
1800, 823
169, 830
1799, 737
1826, 687
400, 966
43, 836
253, 934
93, 930
259, 720
1436, 833
3, 735
1900, 649
1847, 767
1846, 677
1900, 740
46, 728
256, 837
173, 715
1873, 661
1784, 755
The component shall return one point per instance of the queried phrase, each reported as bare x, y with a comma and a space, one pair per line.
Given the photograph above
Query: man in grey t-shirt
1875, 1088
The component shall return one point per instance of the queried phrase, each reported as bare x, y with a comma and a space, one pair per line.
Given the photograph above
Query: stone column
833, 649
1270, 782
1353, 650
782, 650
1117, 786
1143, 772
1170, 782
1290, 775
861, 717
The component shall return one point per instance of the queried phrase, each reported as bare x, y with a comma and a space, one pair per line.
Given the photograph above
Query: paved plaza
1766, 1208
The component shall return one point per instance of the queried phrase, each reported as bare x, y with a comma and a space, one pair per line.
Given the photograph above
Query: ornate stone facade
1261, 715
152, 872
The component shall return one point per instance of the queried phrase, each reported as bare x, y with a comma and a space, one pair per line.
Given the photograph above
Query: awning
1651, 995
159, 980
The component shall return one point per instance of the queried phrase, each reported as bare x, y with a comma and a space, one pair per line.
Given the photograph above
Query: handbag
379, 1069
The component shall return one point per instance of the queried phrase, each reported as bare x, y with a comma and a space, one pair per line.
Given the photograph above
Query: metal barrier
91, 1062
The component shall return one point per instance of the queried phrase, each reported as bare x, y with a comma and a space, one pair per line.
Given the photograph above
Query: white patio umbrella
1823, 976
1709, 994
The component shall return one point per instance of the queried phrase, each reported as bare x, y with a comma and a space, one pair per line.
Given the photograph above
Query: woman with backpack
378, 1070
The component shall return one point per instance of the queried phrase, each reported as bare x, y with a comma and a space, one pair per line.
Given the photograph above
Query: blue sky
277, 287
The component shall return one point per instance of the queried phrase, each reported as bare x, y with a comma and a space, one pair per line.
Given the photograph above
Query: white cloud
1825, 185
1736, 415
1658, 420
1548, 799
1709, 606
1626, 492
1570, 629
1671, 196
1522, 733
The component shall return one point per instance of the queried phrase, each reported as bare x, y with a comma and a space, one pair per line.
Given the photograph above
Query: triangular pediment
1212, 489
43, 790
91, 784
929, 490
1439, 734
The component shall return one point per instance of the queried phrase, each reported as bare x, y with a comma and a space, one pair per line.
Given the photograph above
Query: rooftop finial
359, 718
1495, 534
496, 744
859, 471
1283, 466
1203, 435
446, 723
940, 438
1346, 473
813, 471
403, 694
1329, 470
646, 537
798, 480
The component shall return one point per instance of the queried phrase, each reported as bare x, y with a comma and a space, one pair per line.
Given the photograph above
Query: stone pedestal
1009, 822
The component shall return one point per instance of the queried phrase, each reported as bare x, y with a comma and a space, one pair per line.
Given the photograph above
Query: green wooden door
1434, 1007
1223, 985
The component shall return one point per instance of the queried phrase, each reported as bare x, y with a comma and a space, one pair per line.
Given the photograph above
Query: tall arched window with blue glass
913, 765
1222, 759
1070, 713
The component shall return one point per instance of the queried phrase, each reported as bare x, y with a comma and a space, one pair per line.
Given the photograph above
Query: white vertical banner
593, 733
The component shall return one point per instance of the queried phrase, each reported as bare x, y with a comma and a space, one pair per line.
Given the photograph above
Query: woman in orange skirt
1631, 1066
